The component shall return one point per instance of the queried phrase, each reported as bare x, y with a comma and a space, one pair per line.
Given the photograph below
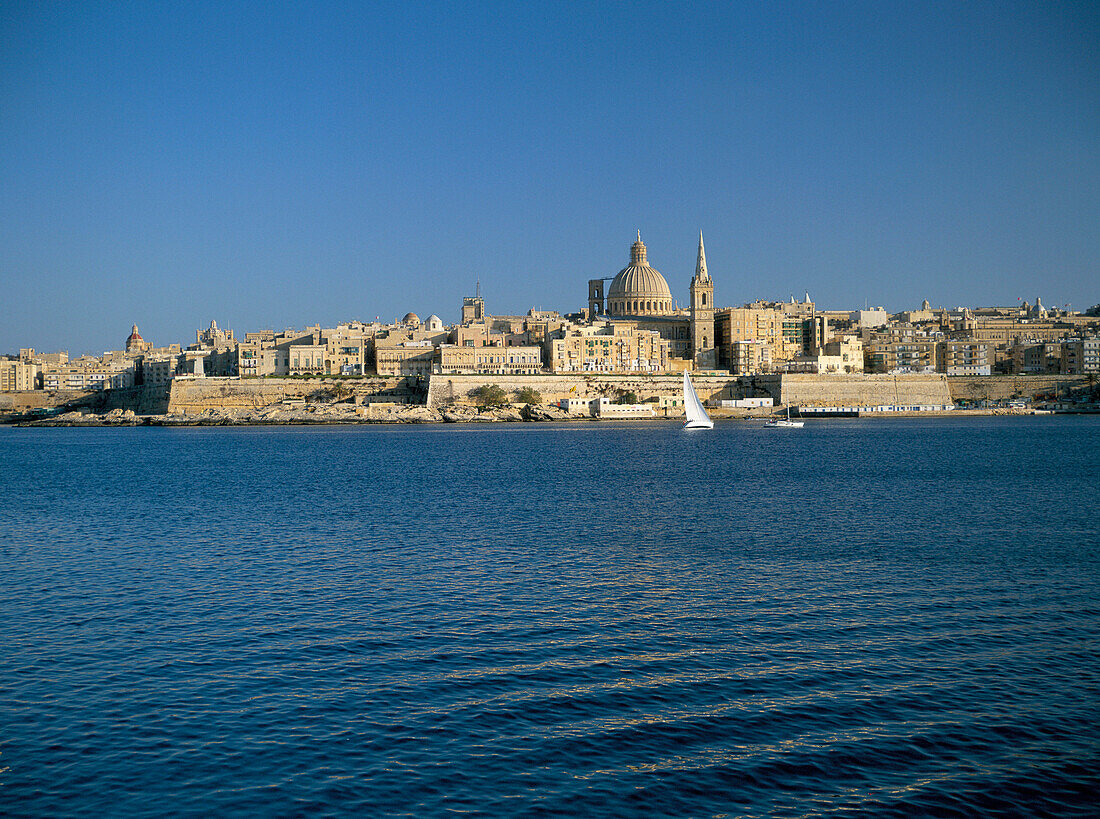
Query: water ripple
425, 623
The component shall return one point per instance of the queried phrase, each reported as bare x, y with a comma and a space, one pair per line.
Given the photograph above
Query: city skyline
168, 165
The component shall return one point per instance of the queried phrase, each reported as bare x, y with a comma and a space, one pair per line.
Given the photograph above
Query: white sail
696, 416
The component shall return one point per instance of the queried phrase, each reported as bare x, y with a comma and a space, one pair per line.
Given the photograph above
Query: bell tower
702, 314
595, 298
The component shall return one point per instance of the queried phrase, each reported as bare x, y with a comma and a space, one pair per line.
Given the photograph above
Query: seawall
789, 389
1005, 387
192, 396
142, 400
845, 390
456, 388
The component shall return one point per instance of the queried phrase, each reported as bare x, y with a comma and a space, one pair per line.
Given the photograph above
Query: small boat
697, 417
785, 422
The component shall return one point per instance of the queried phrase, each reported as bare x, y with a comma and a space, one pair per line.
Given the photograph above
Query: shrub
488, 396
527, 395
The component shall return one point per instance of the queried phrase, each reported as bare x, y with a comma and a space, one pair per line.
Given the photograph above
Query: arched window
704, 299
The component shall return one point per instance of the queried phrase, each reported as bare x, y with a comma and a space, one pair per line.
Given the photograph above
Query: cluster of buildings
633, 325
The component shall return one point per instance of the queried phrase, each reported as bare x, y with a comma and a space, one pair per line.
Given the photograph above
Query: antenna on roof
478, 288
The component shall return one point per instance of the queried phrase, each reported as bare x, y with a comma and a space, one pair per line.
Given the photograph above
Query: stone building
639, 289
640, 295
614, 346
704, 336
213, 338
88, 373
964, 357
915, 355
507, 360
17, 375
1081, 356
787, 330
135, 343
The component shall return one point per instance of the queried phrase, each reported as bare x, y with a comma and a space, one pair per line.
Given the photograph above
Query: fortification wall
145, 400
456, 388
794, 388
142, 400
848, 390
23, 400
1004, 387
191, 396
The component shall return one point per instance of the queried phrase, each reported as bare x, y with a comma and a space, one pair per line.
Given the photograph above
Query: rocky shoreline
316, 414
348, 414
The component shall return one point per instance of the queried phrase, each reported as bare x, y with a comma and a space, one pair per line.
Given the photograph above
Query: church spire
701, 262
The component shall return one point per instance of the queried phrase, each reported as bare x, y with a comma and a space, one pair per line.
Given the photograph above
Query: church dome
639, 289
135, 339
411, 319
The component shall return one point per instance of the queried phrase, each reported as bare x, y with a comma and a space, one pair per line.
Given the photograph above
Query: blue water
877, 617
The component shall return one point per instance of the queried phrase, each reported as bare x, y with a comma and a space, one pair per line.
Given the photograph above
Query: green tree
528, 395
627, 397
489, 396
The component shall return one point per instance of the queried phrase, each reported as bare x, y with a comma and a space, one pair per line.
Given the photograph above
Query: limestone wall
456, 389
794, 389
193, 396
142, 400
23, 400
847, 390
1004, 387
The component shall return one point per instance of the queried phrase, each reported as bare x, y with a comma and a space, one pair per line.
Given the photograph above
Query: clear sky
275, 165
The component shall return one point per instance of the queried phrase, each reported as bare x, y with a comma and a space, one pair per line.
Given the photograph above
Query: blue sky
279, 164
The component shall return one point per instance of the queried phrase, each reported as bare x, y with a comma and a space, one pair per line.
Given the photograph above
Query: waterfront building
307, 359
841, 356
407, 349
346, 354
18, 375
1081, 356
787, 330
745, 357
404, 358
914, 355
159, 371
964, 357
88, 373
612, 346
499, 360
1041, 357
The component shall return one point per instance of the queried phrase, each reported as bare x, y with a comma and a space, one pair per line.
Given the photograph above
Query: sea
874, 617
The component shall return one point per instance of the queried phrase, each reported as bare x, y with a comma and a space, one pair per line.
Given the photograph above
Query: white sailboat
780, 422
697, 417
